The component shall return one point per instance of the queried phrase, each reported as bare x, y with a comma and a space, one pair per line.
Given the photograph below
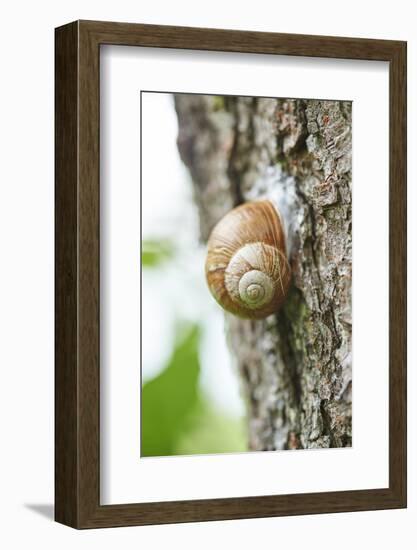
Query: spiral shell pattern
247, 269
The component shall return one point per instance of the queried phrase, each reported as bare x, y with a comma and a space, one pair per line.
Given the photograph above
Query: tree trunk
296, 365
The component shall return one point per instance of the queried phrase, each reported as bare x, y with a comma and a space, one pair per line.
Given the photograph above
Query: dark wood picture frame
77, 372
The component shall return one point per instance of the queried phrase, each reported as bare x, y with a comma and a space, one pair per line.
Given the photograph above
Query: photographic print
222, 341
246, 274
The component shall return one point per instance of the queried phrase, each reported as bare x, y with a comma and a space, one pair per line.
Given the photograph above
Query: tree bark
295, 366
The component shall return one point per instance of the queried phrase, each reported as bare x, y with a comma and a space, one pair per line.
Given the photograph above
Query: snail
247, 269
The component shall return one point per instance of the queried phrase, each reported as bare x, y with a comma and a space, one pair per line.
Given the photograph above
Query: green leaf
155, 253
169, 399
213, 432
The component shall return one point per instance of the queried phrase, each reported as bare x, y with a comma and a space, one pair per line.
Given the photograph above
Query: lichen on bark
295, 366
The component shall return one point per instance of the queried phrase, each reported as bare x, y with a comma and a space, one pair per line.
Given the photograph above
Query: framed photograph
230, 274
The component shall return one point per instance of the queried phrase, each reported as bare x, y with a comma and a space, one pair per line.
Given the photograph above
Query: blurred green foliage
169, 398
176, 417
213, 432
154, 253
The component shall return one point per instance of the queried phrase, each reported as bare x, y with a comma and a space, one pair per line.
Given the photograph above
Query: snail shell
247, 269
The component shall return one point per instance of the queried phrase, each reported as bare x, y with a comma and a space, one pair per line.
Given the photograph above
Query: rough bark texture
296, 365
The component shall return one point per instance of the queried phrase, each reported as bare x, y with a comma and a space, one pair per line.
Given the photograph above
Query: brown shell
250, 223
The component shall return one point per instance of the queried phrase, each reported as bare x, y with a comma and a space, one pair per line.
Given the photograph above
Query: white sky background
177, 291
